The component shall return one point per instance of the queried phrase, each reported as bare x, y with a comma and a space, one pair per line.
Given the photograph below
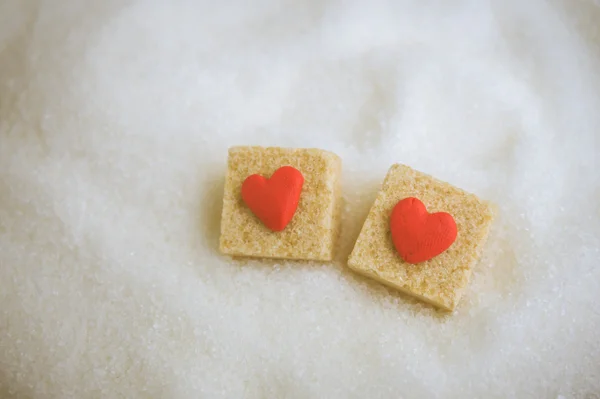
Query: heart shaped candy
418, 235
274, 201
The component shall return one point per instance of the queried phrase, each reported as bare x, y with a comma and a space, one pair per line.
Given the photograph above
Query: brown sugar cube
313, 231
441, 280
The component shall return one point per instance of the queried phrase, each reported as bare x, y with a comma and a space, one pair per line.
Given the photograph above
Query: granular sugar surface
115, 120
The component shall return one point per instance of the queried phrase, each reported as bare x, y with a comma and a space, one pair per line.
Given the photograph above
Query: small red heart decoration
418, 235
274, 201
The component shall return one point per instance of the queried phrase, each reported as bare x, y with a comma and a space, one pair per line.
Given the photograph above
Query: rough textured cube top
441, 280
312, 232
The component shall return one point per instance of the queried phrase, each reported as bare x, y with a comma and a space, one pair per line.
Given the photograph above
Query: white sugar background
115, 119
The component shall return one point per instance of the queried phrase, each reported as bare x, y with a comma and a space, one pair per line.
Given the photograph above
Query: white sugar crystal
115, 119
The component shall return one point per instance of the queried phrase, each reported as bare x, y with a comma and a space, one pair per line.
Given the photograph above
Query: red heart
418, 235
274, 201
